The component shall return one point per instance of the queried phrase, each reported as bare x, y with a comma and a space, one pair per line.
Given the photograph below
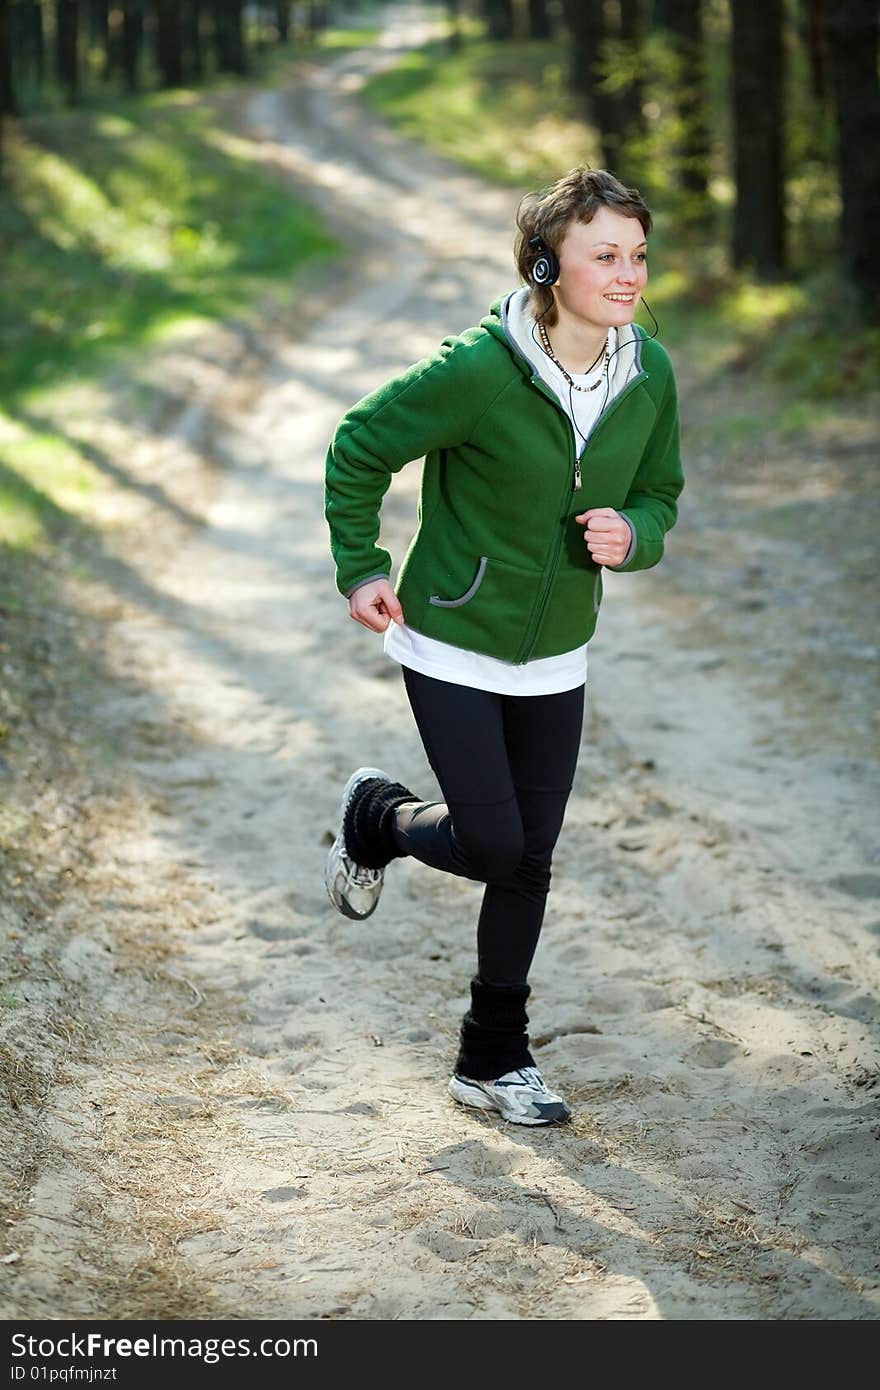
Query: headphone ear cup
545, 271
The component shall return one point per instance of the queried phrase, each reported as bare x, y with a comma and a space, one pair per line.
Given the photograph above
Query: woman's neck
578, 345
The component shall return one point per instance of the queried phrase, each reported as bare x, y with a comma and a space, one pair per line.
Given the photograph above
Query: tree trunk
67, 47
499, 19
104, 31
540, 23
318, 17
853, 44
684, 24
99, 33
282, 20
816, 18
29, 46
758, 135
169, 42
632, 98
132, 40
191, 35
98, 12
113, 46
229, 35
455, 40
7, 93
587, 30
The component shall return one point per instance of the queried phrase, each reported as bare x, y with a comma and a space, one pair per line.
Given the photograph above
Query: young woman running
551, 443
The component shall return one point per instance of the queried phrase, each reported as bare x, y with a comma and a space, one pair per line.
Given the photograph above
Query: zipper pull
577, 475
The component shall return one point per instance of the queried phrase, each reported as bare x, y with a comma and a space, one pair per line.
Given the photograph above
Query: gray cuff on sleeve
369, 579
633, 542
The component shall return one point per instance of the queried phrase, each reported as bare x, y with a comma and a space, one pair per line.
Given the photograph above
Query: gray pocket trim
596, 591
467, 595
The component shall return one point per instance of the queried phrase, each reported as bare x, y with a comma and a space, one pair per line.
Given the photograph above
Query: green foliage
503, 109
333, 40
44, 486
115, 226
265, 57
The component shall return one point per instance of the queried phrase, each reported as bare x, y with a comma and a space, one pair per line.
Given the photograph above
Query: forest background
137, 215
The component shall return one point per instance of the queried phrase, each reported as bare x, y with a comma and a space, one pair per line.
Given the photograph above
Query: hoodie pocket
468, 594
493, 613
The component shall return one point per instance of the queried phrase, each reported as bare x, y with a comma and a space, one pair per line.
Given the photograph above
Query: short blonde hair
548, 212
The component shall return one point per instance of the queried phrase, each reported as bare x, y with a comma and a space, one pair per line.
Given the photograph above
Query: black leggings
505, 765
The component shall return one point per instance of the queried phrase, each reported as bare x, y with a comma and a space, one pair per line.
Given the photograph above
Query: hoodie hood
511, 320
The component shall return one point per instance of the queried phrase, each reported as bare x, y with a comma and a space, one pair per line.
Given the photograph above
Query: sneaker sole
476, 1099
361, 774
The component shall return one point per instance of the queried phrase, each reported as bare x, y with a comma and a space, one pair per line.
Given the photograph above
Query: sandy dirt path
705, 989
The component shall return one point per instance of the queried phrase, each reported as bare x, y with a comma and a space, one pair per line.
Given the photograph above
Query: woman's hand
375, 604
608, 536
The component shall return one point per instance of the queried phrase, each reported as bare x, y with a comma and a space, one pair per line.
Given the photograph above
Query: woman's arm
651, 503
435, 404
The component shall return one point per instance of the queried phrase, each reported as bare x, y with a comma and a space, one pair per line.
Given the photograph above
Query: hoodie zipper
540, 385
600, 420
535, 624
539, 382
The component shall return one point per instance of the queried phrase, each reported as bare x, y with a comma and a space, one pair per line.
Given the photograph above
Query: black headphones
545, 270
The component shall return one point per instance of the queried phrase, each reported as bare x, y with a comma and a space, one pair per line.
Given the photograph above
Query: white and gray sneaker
353, 889
521, 1096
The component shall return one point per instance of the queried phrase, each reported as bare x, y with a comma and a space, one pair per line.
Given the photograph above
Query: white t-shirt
547, 675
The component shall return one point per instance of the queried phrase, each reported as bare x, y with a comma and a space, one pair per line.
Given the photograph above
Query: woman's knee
533, 873
492, 839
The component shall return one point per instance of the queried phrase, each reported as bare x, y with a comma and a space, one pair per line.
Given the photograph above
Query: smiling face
602, 269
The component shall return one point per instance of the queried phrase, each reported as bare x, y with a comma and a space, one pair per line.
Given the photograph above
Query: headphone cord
621, 346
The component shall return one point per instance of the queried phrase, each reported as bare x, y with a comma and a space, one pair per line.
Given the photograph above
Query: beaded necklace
545, 341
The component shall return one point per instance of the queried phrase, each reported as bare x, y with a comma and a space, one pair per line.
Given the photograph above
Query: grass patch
119, 227
502, 109
116, 226
335, 40
32, 511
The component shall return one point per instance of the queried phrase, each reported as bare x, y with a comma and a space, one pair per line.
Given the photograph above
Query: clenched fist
375, 604
608, 535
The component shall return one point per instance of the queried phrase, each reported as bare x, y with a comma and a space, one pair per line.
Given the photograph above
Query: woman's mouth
621, 298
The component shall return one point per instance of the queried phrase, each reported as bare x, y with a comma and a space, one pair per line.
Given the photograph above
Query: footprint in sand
711, 1052
847, 1160
857, 885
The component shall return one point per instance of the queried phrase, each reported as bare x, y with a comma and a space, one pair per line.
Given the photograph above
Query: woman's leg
542, 735
505, 765
476, 831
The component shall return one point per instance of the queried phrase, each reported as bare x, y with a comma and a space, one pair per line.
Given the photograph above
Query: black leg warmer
367, 828
493, 1037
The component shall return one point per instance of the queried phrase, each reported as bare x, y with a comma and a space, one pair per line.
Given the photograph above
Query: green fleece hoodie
498, 564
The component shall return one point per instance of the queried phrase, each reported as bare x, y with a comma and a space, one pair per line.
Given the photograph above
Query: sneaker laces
359, 875
532, 1077
365, 878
